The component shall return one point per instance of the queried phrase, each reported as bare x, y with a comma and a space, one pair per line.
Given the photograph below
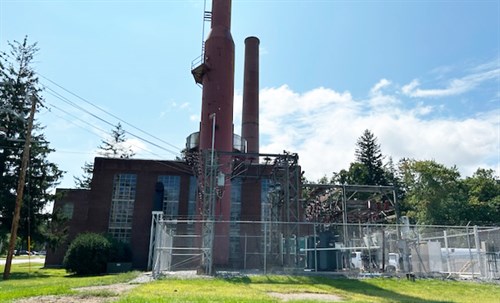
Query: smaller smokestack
250, 115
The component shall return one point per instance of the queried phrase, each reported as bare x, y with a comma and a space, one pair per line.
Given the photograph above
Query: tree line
428, 192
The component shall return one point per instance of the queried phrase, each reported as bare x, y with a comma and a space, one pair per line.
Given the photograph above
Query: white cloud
456, 86
322, 126
381, 102
410, 87
377, 87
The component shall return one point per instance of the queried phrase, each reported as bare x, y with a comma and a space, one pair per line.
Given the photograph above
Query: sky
423, 76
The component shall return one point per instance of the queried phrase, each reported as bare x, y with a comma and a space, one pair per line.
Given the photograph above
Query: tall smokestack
251, 187
250, 116
217, 107
218, 81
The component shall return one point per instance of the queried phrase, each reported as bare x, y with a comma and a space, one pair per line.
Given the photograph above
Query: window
234, 229
171, 186
264, 196
235, 199
193, 197
67, 210
122, 207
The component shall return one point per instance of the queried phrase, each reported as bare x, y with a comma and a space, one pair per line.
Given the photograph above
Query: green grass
256, 289
29, 281
40, 282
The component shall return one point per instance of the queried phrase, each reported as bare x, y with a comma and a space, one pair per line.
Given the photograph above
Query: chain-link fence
353, 249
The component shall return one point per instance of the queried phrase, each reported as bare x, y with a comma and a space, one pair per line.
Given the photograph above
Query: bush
119, 252
88, 254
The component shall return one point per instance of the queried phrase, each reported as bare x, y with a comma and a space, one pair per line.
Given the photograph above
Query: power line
71, 103
93, 126
76, 117
108, 113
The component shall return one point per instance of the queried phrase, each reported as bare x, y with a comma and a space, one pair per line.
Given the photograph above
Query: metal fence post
245, 253
445, 234
265, 247
478, 250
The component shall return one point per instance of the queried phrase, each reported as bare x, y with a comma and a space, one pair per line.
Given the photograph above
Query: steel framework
353, 203
283, 173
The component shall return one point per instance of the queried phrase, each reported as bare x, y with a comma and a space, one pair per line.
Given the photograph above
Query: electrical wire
71, 103
108, 113
176, 167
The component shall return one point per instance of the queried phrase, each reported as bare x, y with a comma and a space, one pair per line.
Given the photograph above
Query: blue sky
423, 76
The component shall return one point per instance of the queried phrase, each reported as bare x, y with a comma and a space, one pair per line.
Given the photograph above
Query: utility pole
20, 191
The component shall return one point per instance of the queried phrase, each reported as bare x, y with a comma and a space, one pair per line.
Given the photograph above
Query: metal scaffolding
285, 207
283, 173
209, 180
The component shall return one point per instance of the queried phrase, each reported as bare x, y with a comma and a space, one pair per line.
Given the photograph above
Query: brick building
125, 192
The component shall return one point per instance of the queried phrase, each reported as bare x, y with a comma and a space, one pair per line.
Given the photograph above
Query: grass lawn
31, 280
246, 289
257, 288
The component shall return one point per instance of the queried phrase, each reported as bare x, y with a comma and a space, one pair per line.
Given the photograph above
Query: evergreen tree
368, 153
113, 147
85, 180
18, 85
116, 146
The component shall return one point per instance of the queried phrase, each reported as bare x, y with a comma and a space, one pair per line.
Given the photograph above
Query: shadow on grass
361, 287
25, 271
348, 285
25, 275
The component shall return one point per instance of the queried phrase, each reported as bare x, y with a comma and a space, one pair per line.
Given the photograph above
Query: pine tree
368, 153
85, 180
116, 146
18, 84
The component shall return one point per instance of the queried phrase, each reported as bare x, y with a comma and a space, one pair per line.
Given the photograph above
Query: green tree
116, 146
56, 229
85, 180
368, 169
18, 84
434, 193
483, 198
369, 154
357, 174
113, 147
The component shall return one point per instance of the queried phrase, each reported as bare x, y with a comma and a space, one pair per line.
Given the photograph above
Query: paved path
24, 260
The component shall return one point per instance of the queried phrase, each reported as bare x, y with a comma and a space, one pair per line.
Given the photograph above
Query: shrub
88, 254
119, 252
